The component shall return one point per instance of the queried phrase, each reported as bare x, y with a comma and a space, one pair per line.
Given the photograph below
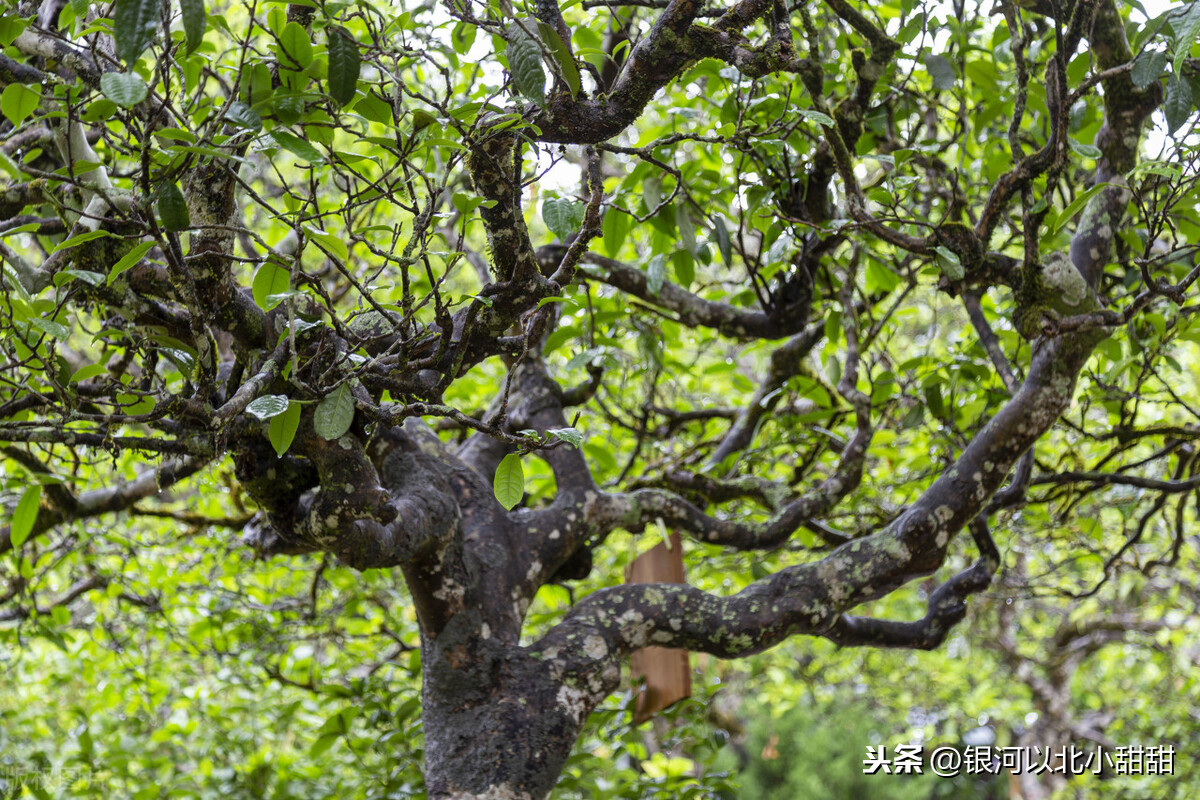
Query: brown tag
666, 671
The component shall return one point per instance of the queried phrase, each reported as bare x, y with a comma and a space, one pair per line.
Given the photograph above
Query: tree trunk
497, 725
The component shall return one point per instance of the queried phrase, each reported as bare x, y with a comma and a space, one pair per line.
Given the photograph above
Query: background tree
280, 264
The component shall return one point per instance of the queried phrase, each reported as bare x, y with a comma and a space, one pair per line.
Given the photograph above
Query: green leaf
1085, 150
562, 56
29, 227
79, 239
344, 64
11, 26
295, 47
25, 514
335, 413
126, 89
288, 108
134, 24
133, 404
509, 484
1177, 105
833, 369
562, 216
1186, 31
268, 406
323, 743
616, 229
652, 192
685, 268
941, 71
87, 276
194, 23
1075, 207
129, 260
525, 62
50, 327
90, 371
275, 298
19, 101
817, 116
1151, 29
332, 244
656, 273
271, 278
880, 278
686, 228
934, 400
571, 436
282, 429
184, 359
421, 119
172, 208
463, 36
298, 146
949, 263
1148, 67
721, 233
243, 116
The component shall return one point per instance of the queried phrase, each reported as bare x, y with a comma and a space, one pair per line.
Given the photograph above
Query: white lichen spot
554, 534
535, 569
630, 617
594, 647
485, 631
1064, 280
675, 622
827, 573
895, 547
450, 592
635, 628
573, 702
943, 514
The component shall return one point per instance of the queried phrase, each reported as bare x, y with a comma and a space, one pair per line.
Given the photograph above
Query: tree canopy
355, 346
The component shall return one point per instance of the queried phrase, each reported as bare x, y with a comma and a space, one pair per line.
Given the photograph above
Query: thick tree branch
947, 606
666, 50
811, 598
695, 311
105, 501
785, 364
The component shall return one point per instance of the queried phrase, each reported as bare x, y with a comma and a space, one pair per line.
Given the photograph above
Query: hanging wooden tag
666, 671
